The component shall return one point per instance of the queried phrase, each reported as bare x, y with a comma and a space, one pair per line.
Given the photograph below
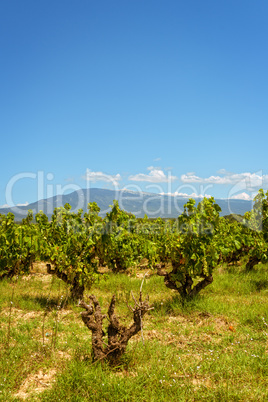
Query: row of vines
185, 251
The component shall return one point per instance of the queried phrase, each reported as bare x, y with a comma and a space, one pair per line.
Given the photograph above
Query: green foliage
198, 226
255, 231
76, 244
121, 243
19, 245
68, 243
189, 246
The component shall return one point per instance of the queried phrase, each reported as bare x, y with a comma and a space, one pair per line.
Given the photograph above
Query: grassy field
214, 348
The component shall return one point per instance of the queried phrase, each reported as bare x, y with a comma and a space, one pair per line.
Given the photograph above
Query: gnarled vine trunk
77, 290
118, 335
186, 288
252, 261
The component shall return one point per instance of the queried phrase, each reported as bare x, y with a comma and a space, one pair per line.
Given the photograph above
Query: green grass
213, 348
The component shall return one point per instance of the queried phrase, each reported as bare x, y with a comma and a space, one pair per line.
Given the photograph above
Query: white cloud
17, 205
184, 195
192, 178
247, 180
156, 175
242, 196
100, 176
5, 206
222, 171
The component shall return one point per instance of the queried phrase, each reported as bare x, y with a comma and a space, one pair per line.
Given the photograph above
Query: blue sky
162, 96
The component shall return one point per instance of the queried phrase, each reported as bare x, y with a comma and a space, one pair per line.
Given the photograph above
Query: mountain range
138, 203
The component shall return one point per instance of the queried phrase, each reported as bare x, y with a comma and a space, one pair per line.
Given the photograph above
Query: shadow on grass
175, 305
44, 302
259, 285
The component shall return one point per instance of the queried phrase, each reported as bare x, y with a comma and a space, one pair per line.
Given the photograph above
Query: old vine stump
118, 335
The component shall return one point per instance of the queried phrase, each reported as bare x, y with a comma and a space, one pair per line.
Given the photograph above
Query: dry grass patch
39, 268
36, 384
18, 316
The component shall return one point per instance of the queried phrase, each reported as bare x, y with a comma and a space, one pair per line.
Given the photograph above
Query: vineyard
75, 317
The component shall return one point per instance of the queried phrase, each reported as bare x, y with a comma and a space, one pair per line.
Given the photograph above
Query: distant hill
138, 203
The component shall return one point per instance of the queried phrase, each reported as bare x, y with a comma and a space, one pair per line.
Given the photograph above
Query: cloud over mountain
156, 175
100, 176
247, 180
